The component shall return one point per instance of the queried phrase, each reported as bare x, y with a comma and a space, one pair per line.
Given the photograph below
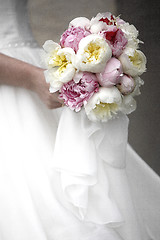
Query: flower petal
93, 54
68, 53
111, 74
128, 104
49, 46
133, 62
55, 84
104, 104
80, 22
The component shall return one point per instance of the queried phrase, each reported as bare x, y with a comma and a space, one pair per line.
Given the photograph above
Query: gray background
49, 18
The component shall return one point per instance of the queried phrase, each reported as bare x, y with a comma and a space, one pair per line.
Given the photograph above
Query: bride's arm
20, 74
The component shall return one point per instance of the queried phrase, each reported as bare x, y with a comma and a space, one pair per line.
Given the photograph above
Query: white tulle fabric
82, 148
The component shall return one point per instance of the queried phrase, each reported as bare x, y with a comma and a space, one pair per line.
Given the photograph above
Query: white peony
138, 83
131, 33
82, 22
93, 54
104, 104
59, 63
50, 50
129, 30
128, 104
56, 77
133, 62
98, 26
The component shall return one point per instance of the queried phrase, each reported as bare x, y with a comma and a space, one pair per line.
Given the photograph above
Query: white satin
74, 183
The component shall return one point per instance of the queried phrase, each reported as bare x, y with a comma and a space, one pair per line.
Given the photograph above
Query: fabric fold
82, 148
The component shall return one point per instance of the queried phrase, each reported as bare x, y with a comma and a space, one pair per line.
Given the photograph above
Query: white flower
50, 49
133, 62
131, 33
98, 26
57, 77
59, 62
82, 22
128, 104
104, 104
129, 30
55, 84
93, 54
138, 83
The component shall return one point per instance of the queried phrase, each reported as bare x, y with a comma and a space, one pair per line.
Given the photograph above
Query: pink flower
72, 36
126, 84
111, 74
116, 39
75, 95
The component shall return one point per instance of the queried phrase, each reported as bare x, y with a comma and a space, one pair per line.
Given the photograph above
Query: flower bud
111, 74
126, 84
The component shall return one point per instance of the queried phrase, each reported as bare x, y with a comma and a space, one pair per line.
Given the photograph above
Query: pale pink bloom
111, 74
116, 40
76, 94
72, 36
126, 84
82, 22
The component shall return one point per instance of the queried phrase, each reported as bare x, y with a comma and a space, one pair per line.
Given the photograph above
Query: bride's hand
40, 86
21, 74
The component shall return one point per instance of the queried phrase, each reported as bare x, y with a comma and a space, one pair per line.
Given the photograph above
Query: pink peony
116, 39
111, 74
72, 36
75, 95
126, 84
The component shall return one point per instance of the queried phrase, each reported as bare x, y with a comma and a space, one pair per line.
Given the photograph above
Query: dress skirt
32, 200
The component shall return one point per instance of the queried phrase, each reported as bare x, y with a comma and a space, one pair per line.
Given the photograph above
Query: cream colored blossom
50, 50
104, 105
128, 104
131, 33
138, 83
59, 63
93, 54
133, 62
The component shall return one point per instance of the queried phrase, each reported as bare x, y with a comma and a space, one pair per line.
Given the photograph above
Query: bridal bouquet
96, 66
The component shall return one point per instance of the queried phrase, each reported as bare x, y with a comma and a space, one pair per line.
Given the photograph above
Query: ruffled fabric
33, 204
82, 148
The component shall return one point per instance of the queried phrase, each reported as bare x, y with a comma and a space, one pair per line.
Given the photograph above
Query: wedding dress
62, 177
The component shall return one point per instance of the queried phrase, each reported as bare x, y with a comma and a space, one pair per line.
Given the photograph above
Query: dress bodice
15, 30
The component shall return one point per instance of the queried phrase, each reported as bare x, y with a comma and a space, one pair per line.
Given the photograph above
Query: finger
61, 101
56, 97
57, 105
